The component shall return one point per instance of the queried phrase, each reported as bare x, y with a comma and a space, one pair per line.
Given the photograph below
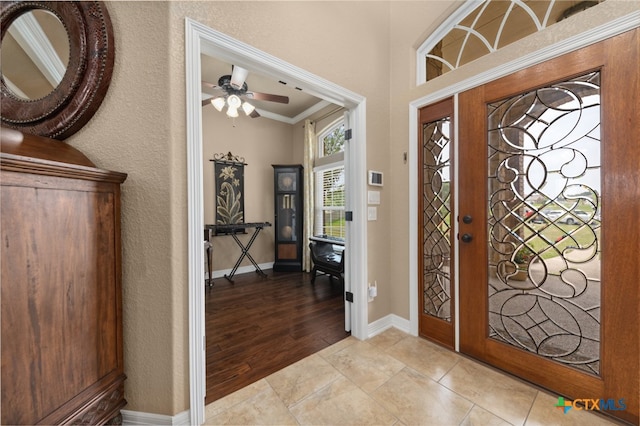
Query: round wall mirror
68, 48
34, 54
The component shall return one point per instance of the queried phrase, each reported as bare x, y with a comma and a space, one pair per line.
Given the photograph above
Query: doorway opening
256, 325
201, 39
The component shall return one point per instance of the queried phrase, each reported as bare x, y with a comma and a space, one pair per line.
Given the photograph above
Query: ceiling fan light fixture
232, 112
248, 108
218, 103
235, 91
234, 102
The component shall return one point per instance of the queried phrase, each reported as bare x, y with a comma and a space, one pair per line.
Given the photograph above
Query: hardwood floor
258, 326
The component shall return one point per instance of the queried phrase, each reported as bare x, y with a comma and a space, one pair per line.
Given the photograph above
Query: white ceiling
300, 105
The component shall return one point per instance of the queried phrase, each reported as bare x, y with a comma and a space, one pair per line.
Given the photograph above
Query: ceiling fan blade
210, 85
238, 76
267, 97
206, 102
254, 114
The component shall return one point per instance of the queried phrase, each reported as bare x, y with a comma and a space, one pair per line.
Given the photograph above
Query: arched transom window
480, 27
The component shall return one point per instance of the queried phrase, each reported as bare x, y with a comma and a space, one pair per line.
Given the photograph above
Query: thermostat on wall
375, 178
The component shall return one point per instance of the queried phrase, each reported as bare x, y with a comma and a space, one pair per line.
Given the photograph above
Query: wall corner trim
389, 321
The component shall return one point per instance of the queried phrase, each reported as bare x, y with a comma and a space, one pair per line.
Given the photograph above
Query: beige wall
262, 142
409, 23
140, 129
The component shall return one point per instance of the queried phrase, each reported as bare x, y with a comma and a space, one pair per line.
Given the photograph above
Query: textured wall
131, 132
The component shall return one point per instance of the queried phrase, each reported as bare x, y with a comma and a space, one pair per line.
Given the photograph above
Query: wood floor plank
258, 326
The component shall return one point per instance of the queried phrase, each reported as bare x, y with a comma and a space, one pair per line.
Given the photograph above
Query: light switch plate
372, 213
373, 197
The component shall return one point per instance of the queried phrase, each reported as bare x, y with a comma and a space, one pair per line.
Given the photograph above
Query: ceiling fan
234, 89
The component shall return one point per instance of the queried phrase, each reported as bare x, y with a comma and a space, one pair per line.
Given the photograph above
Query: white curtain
309, 193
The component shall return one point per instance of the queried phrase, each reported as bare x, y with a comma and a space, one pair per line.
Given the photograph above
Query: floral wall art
229, 186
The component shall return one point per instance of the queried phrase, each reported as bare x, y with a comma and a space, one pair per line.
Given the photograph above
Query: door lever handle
466, 238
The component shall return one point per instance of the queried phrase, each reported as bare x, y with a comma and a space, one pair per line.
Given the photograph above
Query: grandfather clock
288, 190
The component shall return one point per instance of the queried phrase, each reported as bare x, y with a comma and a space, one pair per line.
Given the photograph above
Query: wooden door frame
618, 59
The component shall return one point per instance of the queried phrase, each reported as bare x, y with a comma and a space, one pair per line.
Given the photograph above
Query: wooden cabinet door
62, 355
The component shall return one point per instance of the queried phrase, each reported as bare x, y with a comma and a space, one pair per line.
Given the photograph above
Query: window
332, 141
478, 28
330, 203
330, 182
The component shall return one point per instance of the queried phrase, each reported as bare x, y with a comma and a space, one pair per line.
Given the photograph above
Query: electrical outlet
372, 291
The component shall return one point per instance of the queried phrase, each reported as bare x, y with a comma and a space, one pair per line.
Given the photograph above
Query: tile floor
392, 379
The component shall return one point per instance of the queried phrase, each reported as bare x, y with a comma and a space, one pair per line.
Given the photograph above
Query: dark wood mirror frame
91, 56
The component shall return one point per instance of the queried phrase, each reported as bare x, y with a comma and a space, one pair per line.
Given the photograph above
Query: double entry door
546, 227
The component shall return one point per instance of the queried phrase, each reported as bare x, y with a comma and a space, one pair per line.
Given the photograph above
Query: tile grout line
531, 408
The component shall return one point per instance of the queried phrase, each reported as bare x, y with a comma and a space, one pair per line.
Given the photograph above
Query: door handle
466, 238
467, 219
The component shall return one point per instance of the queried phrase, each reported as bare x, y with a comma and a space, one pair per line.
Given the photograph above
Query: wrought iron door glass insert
436, 286
544, 221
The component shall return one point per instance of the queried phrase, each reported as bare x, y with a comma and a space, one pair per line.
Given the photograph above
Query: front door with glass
546, 289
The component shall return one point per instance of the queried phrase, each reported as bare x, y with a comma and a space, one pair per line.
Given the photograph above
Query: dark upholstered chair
326, 260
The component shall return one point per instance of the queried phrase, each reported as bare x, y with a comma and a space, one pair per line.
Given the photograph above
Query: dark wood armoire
61, 296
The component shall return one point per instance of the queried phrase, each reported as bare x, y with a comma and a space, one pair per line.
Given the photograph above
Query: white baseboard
387, 322
141, 418
241, 270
